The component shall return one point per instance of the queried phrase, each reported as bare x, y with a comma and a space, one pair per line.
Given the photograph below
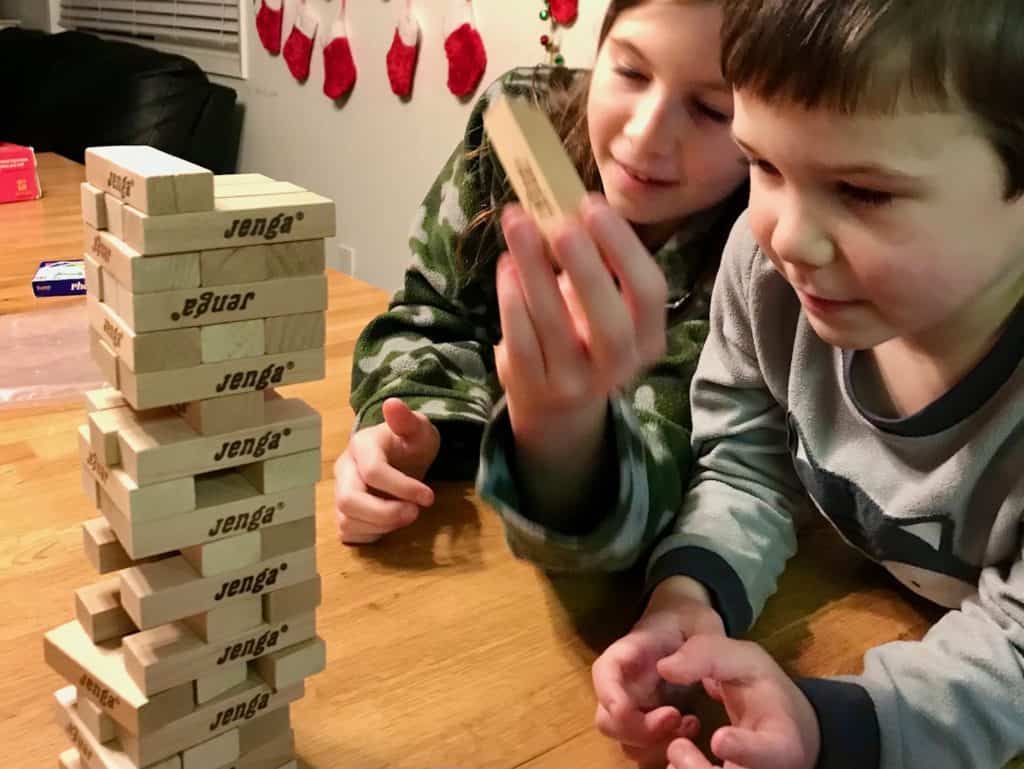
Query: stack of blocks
203, 294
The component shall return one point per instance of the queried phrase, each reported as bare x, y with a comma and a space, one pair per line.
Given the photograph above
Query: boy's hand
571, 339
773, 724
635, 706
379, 477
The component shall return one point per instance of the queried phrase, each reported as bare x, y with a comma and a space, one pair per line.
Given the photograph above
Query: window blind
207, 31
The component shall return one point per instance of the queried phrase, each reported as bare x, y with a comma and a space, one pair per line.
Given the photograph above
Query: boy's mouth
820, 305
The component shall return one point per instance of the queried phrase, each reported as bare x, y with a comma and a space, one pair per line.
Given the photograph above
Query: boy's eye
865, 195
712, 114
630, 74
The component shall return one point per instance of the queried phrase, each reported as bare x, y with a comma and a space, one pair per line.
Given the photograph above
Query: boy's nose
797, 238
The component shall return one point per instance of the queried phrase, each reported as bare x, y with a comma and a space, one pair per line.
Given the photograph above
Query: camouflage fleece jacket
433, 348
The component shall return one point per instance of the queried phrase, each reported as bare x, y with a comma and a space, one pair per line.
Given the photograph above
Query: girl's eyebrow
630, 48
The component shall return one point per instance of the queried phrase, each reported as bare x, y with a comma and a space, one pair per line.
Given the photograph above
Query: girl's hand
379, 477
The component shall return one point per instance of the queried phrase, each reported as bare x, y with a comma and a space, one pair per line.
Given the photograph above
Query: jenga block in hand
228, 621
277, 473
213, 416
149, 179
99, 612
214, 684
227, 341
291, 665
286, 333
99, 672
535, 161
94, 208
236, 221
224, 555
290, 601
137, 274
170, 589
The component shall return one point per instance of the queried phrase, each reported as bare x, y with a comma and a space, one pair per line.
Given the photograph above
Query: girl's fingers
521, 365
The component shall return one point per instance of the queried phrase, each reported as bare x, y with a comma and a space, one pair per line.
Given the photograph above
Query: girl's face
659, 114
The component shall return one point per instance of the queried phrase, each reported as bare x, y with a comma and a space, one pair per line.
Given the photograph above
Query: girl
576, 354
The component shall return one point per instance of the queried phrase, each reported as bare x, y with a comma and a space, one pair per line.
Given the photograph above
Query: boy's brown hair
877, 55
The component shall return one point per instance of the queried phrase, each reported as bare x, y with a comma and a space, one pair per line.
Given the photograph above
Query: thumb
403, 421
723, 659
750, 748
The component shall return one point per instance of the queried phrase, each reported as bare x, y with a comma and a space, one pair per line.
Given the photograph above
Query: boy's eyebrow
855, 169
711, 85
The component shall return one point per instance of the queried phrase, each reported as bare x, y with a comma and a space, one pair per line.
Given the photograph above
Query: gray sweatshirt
936, 498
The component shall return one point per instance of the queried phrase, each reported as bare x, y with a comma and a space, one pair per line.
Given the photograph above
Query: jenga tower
204, 293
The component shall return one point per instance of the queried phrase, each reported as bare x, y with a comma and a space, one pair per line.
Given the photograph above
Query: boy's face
659, 112
886, 226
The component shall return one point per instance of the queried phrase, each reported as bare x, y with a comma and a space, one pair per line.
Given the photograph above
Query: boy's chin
851, 338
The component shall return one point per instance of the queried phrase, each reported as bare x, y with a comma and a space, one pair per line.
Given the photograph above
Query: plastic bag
44, 356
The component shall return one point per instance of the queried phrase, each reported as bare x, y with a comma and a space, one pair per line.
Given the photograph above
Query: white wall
376, 156
34, 14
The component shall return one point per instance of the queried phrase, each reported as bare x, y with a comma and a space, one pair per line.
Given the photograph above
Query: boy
867, 333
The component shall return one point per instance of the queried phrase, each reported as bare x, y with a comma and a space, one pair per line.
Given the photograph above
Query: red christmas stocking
268, 24
299, 47
339, 65
405, 48
464, 48
564, 11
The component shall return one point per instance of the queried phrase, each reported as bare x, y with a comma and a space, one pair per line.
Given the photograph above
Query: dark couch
65, 92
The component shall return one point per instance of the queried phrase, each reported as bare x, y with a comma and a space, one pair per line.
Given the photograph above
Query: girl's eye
864, 195
761, 165
630, 74
712, 114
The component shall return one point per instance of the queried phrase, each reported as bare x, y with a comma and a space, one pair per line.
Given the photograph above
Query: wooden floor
443, 650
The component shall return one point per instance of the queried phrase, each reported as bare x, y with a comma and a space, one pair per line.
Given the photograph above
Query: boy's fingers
378, 474
746, 747
722, 659
380, 514
683, 754
403, 421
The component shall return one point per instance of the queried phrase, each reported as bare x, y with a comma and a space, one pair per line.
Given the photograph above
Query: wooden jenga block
102, 548
244, 221
288, 602
165, 447
260, 731
228, 341
157, 500
224, 181
92, 752
264, 188
103, 357
227, 266
213, 380
170, 589
224, 555
287, 538
103, 429
213, 416
93, 277
99, 724
277, 473
99, 672
70, 759
302, 257
227, 712
223, 304
94, 208
286, 333
103, 398
149, 179
137, 274
273, 753
142, 353
226, 505
215, 752
228, 621
99, 612
535, 161
293, 664
169, 655
214, 684
90, 487
115, 215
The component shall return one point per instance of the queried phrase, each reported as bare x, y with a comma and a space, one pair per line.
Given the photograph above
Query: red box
19, 179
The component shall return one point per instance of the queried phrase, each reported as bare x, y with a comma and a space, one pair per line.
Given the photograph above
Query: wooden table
443, 650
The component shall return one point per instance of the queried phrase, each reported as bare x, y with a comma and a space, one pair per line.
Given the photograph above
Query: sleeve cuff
848, 723
611, 544
710, 569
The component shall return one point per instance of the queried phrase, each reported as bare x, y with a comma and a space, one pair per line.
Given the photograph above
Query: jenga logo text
243, 711
97, 467
261, 516
255, 379
253, 583
122, 185
281, 224
79, 742
113, 332
253, 646
255, 447
208, 301
101, 694
536, 200
101, 249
